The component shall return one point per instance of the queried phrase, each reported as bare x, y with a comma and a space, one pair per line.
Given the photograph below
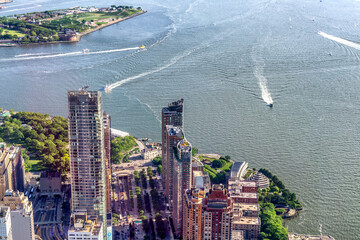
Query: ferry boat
142, 47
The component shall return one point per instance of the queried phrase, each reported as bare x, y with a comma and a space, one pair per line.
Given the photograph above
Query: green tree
159, 169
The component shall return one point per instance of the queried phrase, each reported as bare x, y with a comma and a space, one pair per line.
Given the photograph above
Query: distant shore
78, 35
5, 1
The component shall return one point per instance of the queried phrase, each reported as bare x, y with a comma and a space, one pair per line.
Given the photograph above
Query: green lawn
227, 166
35, 165
13, 32
94, 16
98, 15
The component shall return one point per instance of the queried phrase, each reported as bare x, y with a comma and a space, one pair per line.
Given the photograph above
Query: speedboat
107, 88
142, 47
270, 105
86, 51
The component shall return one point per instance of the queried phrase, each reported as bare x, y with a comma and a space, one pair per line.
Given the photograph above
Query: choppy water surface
228, 59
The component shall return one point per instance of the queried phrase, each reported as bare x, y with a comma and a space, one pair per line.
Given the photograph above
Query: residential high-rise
12, 171
87, 154
217, 214
181, 181
107, 145
21, 212
5, 223
192, 214
170, 115
173, 136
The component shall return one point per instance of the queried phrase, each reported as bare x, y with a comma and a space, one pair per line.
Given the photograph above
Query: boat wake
340, 40
77, 53
20, 9
192, 5
259, 74
174, 60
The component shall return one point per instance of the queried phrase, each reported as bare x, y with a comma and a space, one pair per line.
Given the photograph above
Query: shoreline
79, 35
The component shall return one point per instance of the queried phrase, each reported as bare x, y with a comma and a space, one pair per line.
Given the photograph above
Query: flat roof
241, 183
247, 221
174, 130
237, 194
245, 207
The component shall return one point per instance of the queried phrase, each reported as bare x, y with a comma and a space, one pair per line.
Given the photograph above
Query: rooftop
247, 221
237, 168
237, 194
82, 223
184, 146
176, 106
241, 183
245, 207
174, 130
50, 175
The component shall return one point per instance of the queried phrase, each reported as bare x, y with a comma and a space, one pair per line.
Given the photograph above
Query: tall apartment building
217, 214
181, 181
5, 223
173, 136
12, 170
170, 115
107, 145
87, 154
22, 216
192, 214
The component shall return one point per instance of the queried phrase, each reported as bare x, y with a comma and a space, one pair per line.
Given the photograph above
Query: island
64, 25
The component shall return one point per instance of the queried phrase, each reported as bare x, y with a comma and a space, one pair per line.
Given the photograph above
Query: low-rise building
238, 170
243, 186
262, 181
50, 183
150, 153
84, 227
250, 226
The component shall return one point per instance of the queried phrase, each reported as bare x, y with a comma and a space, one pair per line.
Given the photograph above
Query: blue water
227, 59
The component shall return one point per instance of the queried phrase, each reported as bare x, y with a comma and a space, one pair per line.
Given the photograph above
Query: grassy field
13, 32
94, 16
101, 15
35, 165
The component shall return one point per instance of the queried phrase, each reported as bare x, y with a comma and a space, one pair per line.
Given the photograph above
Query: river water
227, 59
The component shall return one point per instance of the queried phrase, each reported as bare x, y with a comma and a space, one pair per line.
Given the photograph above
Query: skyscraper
87, 154
171, 115
181, 181
173, 136
107, 145
192, 214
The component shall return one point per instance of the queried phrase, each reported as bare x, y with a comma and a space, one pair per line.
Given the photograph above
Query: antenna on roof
84, 88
